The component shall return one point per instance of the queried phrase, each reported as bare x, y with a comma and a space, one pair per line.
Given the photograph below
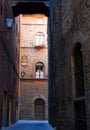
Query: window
1, 10
39, 70
39, 38
79, 76
80, 115
79, 101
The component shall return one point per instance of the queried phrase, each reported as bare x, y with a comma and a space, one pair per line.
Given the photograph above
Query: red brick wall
30, 87
31, 90
8, 75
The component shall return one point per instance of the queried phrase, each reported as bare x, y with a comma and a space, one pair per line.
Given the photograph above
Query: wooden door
39, 109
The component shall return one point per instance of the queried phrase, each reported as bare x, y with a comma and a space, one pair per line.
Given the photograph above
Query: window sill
79, 98
25, 78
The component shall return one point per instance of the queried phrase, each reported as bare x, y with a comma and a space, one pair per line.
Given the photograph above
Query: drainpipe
50, 64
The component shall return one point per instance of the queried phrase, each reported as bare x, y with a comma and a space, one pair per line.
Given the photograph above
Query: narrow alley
44, 64
30, 125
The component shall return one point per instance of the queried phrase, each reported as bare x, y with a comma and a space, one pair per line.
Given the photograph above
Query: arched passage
30, 7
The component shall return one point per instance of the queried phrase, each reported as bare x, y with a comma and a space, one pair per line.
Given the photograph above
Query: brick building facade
69, 92
33, 67
8, 69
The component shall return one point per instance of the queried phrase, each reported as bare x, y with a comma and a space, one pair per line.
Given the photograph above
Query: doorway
39, 108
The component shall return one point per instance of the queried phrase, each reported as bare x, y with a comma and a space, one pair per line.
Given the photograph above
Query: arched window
40, 38
1, 10
39, 70
39, 107
79, 76
79, 101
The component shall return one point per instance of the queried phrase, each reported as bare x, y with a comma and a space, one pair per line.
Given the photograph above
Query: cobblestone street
30, 125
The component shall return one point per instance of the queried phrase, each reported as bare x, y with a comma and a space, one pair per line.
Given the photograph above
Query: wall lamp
18, 100
22, 73
9, 22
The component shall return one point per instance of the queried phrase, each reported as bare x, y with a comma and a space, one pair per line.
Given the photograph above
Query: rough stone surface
8, 72
70, 24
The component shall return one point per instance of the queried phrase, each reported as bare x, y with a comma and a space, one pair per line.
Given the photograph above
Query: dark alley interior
45, 64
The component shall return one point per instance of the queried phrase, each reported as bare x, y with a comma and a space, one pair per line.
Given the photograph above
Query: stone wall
9, 77
71, 18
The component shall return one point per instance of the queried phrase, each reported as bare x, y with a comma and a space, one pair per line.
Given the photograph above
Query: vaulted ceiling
30, 7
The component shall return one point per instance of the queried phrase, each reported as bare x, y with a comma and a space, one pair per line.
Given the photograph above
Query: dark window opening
80, 115
39, 70
79, 76
1, 10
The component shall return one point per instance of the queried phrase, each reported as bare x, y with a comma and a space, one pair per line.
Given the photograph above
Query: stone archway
43, 106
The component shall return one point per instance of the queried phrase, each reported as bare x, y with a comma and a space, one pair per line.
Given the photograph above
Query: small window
79, 75
39, 70
1, 10
40, 38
